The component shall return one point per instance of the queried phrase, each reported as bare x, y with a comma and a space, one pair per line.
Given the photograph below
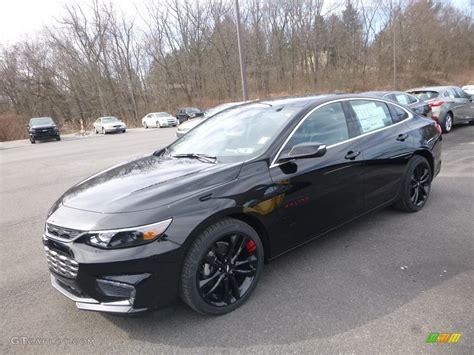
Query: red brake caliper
251, 246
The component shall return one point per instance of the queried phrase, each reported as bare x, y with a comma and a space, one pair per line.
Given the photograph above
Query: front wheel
32, 140
222, 267
103, 131
447, 123
58, 138
416, 185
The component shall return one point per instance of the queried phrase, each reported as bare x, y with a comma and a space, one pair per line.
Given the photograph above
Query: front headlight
128, 237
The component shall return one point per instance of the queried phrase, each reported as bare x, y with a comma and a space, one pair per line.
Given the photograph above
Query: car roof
383, 92
302, 101
432, 88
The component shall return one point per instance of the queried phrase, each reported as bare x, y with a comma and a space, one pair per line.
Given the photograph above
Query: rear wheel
222, 267
447, 123
416, 185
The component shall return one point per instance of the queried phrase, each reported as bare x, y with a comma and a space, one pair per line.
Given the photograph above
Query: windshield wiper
202, 157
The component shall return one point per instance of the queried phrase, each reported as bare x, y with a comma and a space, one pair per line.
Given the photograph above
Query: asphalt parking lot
378, 285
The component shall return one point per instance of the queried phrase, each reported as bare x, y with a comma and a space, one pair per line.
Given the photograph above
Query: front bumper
115, 129
117, 281
91, 304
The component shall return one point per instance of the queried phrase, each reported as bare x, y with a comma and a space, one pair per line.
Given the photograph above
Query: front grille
61, 232
61, 264
171, 121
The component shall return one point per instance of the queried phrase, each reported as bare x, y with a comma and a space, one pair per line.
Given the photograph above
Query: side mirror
304, 151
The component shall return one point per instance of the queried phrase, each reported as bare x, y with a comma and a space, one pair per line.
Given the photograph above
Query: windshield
41, 121
425, 94
217, 109
193, 110
110, 119
236, 134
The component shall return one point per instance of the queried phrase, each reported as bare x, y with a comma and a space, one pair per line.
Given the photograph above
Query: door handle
351, 155
402, 137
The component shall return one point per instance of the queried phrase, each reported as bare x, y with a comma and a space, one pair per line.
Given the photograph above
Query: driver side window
327, 125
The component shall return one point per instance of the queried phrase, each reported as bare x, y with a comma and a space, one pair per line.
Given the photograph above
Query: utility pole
392, 20
243, 69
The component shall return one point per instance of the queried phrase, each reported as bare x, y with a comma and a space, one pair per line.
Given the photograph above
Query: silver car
450, 105
109, 124
193, 122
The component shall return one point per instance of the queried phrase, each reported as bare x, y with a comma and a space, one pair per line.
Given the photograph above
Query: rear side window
327, 125
398, 114
461, 93
412, 99
371, 115
425, 94
402, 99
451, 93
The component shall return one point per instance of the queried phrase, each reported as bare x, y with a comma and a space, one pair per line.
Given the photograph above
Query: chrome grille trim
61, 264
61, 233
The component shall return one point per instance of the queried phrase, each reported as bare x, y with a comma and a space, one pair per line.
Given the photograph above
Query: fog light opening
116, 289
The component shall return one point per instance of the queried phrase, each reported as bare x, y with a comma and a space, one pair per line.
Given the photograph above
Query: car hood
145, 183
111, 124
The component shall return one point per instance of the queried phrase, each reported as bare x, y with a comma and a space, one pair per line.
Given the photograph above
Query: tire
447, 123
124, 131
232, 274
471, 122
103, 131
145, 125
58, 138
32, 140
416, 185
158, 124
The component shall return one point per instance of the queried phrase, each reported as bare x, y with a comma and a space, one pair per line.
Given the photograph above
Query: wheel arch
428, 156
234, 213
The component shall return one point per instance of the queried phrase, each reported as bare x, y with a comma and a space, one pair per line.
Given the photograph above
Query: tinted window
398, 114
371, 115
326, 125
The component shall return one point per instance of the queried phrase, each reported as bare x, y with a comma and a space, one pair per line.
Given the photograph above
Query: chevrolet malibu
199, 218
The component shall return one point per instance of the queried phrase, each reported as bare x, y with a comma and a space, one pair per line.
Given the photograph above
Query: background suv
41, 128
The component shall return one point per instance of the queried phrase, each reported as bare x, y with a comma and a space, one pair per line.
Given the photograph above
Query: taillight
438, 128
436, 103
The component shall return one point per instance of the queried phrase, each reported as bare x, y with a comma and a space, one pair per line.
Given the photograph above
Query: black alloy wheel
415, 186
420, 185
227, 270
222, 267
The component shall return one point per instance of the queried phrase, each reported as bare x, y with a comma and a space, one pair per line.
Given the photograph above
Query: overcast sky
20, 18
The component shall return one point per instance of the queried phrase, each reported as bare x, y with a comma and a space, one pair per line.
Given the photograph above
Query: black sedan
411, 101
199, 218
42, 128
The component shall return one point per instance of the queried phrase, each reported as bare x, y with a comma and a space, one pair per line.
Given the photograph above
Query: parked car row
447, 105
